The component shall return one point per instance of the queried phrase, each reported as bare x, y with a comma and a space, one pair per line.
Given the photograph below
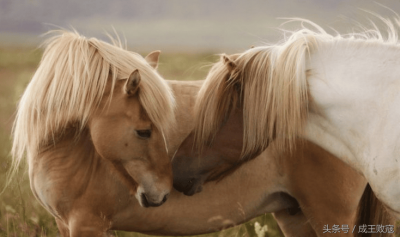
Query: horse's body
341, 93
96, 198
358, 110
92, 123
328, 191
272, 182
305, 189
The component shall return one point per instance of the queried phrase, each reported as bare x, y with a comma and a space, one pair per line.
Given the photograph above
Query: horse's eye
144, 133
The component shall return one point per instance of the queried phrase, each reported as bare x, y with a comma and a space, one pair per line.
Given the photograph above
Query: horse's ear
233, 72
231, 65
152, 58
132, 83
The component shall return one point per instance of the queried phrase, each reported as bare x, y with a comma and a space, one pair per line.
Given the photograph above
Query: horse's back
185, 95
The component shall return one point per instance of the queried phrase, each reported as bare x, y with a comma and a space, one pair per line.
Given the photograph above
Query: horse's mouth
193, 190
190, 188
145, 202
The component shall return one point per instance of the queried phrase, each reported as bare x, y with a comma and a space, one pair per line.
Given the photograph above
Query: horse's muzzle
148, 203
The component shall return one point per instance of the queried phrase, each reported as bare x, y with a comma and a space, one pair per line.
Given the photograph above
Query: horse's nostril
145, 202
190, 184
165, 198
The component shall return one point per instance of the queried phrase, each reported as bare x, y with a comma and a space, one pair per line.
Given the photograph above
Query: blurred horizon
179, 25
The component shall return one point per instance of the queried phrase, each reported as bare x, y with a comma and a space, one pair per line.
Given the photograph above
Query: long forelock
155, 95
256, 74
69, 85
215, 100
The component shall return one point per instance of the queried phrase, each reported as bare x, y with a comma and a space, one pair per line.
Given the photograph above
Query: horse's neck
355, 112
243, 195
185, 95
60, 173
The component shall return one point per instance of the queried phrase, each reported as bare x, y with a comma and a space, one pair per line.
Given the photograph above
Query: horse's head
247, 101
214, 149
115, 95
123, 133
193, 167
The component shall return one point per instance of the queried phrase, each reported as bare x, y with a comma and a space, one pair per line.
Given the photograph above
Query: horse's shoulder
60, 173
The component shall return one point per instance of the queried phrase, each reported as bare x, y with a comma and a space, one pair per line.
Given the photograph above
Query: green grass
20, 213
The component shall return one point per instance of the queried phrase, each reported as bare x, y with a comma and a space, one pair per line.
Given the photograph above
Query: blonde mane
70, 83
273, 87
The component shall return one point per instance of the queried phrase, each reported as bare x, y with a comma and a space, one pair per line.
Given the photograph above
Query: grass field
20, 213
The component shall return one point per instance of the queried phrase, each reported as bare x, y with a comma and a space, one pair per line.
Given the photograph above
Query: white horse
340, 92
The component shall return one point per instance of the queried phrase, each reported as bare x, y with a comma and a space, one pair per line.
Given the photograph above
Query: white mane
274, 87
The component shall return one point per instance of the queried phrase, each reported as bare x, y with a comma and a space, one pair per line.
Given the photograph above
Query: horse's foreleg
324, 218
64, 231
90, 225
294, 225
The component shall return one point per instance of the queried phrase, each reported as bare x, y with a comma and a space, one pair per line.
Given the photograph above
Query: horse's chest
53, 183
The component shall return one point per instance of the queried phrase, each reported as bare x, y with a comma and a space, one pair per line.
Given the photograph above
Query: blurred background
189, 33
177, 25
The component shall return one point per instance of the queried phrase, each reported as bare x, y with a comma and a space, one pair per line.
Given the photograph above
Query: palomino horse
96, 199
92, 123
273, 182
340, 92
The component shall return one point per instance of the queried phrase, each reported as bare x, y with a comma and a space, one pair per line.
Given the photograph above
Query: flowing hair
69, 85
